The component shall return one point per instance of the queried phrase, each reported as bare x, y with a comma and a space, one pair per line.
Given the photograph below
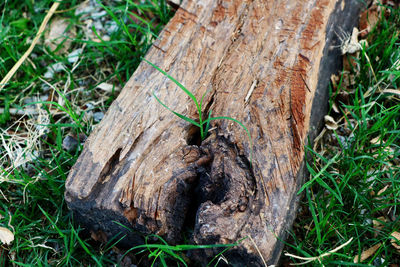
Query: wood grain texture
265, 63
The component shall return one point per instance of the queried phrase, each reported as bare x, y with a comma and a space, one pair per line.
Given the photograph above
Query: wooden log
265, 63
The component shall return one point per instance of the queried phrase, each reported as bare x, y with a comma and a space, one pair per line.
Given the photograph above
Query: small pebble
99, 15
69, 143
74, 55
54, 68
98, 116
111, 27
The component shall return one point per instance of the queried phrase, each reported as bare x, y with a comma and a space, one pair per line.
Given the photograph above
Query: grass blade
314, 216
177, 83
307, 184
176, 113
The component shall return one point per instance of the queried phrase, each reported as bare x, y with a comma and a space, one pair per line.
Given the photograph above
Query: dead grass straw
33, 44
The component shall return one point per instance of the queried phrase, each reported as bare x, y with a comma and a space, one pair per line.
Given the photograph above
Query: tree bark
264, 63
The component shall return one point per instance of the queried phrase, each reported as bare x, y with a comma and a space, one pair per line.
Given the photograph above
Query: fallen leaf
107, 87
335, 108
335, 80
368, 20
61, 33
350, 44
395, 240
383, 190
330, 123
6, 236
376, 140
378, 224
367, 253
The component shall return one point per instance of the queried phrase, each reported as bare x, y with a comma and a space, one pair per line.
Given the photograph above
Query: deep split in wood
265, 63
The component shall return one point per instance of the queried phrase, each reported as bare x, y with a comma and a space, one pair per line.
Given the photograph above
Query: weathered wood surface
265, 63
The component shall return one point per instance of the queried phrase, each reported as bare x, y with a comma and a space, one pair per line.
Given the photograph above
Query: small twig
16, 111
316, 140
310, 259
33, 44
252, 87
370, 64
1, 192
259, 252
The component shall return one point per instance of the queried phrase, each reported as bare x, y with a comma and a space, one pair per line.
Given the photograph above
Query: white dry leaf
6, 236
60, 32
350, 44
330, 123
367, 253
105, 38
107, 87
98, 25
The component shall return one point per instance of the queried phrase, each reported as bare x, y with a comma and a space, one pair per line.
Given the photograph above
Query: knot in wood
191, 154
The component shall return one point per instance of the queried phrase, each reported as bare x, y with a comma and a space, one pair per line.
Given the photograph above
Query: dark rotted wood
265, 63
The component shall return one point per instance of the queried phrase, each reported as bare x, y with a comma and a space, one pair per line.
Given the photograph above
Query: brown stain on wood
218, 14
297, 101
299, 73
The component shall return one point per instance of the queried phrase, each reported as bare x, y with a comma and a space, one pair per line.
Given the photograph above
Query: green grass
164, 252
353, 195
